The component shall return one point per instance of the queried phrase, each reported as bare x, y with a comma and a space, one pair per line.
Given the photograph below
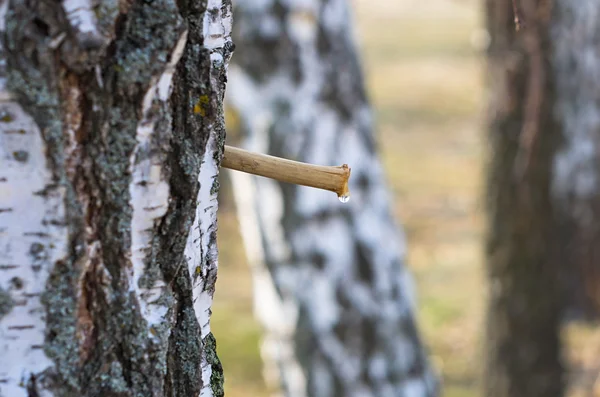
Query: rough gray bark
332, 289
111, 132
523, 244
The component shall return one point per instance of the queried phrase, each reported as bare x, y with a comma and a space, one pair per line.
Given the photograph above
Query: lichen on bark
6, 303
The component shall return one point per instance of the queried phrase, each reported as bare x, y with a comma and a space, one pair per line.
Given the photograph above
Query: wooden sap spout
332, 178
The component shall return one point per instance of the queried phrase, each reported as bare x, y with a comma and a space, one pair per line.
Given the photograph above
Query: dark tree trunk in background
525, 300
332, 288
111, 132
544, 188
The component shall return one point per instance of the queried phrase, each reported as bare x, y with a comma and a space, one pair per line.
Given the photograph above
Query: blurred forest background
424, 66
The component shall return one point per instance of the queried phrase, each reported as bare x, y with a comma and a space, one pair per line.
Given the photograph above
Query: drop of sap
344, 199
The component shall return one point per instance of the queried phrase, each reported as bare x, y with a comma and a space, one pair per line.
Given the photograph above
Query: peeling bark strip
332, 288
111, 134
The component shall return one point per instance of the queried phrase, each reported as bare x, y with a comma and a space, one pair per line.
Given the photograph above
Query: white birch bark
111, 135
331, 285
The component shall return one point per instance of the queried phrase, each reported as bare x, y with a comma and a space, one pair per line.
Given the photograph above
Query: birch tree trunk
111, 134
331, 285
576, 165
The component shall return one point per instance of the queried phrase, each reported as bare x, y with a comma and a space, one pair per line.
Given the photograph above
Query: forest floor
424, 69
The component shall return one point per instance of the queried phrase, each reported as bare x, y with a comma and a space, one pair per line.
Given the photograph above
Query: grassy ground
425, 78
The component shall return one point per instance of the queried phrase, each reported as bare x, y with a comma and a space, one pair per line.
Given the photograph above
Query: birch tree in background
543, 187
111, 133
331, 285
576, 165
